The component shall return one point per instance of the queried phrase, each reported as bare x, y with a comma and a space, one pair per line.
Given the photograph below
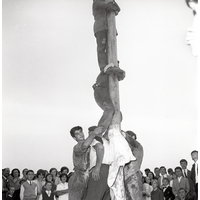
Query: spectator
163, 174
147, 189
170, 171
54, 172
156, 194
5, 174
62, 188
151, 176
146, 171
29, 188
40, 182
173, 178
15, 182
64, 170
194, 171
10, 193
180, 182
187, 174
69, 175
45, 173
24, 178
49, 178
182, 194
47, 193
156, 173
167, 190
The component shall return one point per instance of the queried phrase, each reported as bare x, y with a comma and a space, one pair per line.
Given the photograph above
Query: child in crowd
167, 190
49, 178
10, 193
29, 187
62, 188
47, 193
156, 194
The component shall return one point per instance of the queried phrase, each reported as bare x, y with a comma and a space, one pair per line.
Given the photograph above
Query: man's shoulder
78, 145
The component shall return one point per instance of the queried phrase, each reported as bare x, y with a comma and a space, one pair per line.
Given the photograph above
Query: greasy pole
112, 58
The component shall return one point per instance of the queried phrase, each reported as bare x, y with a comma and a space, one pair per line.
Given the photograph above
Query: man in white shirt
98, 188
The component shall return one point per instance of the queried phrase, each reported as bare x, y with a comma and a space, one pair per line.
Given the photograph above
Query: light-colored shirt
184, 172
165, 187
179, 179
106, 157
196, 171
23, 189
63, 186
48, 193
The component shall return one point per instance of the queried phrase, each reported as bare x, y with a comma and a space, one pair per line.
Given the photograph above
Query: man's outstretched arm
90, 138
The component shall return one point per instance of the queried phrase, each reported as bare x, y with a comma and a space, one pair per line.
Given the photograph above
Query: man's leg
102, 97
77, 186
101, 39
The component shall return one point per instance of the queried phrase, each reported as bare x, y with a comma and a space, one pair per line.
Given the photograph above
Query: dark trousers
196, 190
101, 39
77, 185
99, 190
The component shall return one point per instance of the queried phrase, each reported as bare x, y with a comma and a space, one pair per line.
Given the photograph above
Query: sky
49, 64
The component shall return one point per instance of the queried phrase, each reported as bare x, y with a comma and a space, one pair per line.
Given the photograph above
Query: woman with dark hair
147, 189
151, 176
49, 178
54, 172
62, 190
39, 181
15, 182
173, 178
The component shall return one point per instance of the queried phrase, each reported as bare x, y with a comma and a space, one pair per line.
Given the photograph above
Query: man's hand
95, 173
98, 130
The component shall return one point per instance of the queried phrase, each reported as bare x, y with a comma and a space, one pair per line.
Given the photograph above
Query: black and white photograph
100, 99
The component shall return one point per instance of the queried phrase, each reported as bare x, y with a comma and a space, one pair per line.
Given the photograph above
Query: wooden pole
112, 58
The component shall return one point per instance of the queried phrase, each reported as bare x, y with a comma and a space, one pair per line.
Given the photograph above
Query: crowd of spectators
14, 184
158, 184
168, 184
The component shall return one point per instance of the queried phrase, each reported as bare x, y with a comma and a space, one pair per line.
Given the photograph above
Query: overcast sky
50, 64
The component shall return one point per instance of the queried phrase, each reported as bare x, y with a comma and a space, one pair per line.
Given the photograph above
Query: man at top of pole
101, 88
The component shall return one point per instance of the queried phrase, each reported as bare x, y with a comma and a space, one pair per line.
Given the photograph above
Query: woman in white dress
147, 188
